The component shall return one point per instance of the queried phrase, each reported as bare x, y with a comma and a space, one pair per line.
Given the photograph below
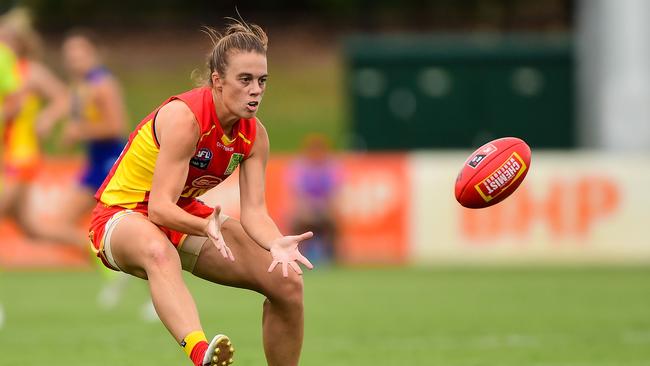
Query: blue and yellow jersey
102, 153
216, 156
83, 106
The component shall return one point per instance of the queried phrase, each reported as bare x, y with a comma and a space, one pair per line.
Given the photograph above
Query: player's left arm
54, 91
9, 85
254, 214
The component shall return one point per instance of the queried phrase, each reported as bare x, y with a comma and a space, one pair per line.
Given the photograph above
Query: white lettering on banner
573, 207
369, 197
569, 208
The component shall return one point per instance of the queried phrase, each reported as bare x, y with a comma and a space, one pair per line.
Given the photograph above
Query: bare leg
13, 203
65, 228
111, 292
141, 249
10, 192
283, 317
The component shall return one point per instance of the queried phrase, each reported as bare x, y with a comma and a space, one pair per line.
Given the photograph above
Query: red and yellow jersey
21, 145
8, 72
216, 156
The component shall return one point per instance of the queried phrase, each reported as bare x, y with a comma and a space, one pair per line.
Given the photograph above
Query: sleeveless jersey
215, 158
20, 140
82, 106
102, 152
8, 77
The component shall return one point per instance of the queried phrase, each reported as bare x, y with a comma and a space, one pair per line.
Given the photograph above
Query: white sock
2, 316
111, 294
148, 312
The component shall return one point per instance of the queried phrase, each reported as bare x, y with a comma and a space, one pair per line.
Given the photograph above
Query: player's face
8, 37
244, 83
79, 56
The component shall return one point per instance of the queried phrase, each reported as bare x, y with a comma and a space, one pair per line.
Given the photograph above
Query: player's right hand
213, 231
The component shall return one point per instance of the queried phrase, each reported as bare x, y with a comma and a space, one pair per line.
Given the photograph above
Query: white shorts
188, 250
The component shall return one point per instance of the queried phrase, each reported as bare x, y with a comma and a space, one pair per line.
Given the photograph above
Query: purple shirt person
314, 178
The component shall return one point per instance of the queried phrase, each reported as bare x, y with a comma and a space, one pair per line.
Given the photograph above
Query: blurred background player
8, 85
315, 177
40, 101
97, 120
25, 84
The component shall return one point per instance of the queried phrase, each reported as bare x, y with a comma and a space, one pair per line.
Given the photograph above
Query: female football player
40, 101
149, 224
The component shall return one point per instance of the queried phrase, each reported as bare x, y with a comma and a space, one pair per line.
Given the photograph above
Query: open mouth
252, 106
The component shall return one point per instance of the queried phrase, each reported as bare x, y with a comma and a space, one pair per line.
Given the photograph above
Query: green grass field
542, 317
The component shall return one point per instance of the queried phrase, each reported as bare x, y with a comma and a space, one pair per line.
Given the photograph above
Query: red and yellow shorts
104, 218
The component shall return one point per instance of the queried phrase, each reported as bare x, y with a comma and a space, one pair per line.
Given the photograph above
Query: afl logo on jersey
202, 159
206, 181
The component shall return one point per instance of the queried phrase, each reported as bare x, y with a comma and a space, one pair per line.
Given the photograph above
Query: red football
492, 172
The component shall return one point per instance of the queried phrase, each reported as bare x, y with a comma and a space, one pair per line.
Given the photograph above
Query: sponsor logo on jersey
206, 181
481, 155
235, 159
224, 147
202, 159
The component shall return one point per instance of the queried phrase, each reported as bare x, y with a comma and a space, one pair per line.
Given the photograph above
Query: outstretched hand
214, 233
285, 251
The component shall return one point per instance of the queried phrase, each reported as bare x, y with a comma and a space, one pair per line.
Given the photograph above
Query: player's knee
288, 290
31, 228
159, 255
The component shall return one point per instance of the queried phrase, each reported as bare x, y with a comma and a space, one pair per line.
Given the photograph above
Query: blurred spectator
314, 178
37, 103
